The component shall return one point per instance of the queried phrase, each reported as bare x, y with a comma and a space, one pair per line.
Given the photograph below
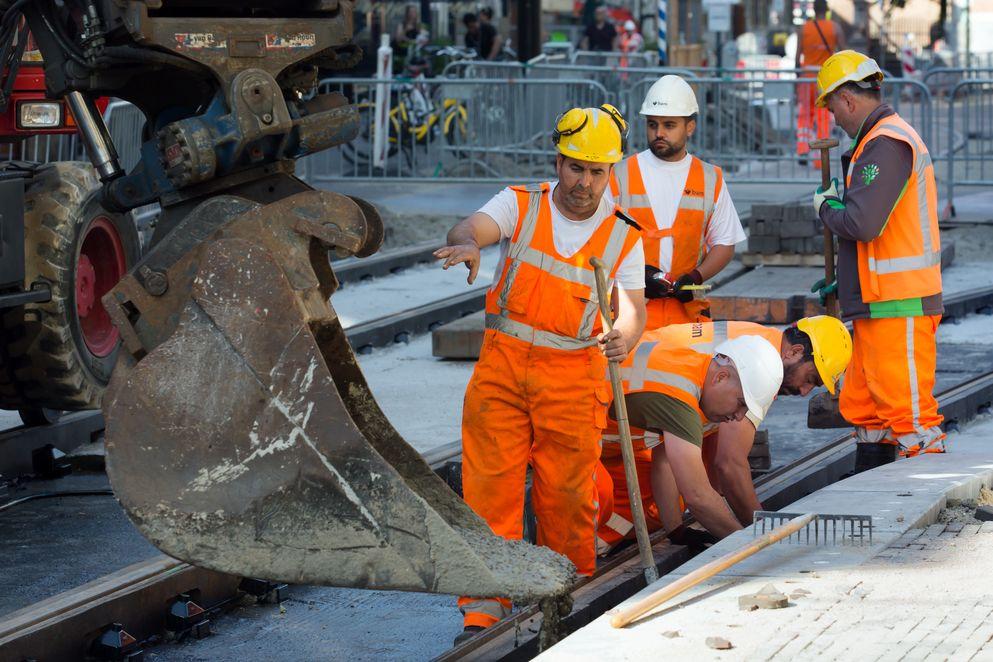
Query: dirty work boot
468, 633
872, 455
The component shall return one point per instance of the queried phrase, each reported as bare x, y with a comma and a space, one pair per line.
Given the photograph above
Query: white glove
823, 195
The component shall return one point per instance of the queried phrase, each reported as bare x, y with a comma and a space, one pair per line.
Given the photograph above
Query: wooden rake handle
624, 429
825, 145
637, 610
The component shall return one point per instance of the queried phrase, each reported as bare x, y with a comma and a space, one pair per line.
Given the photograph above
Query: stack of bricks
786, 228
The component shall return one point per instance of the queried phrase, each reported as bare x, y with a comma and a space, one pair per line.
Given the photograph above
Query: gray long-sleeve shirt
879, 178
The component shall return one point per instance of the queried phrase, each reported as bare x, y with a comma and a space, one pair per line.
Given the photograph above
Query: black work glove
693, 538
692, 278
656, 285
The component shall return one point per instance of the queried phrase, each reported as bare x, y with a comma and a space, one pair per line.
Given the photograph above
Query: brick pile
785, 228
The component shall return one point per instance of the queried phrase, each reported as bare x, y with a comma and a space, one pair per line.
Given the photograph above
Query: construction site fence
474, 124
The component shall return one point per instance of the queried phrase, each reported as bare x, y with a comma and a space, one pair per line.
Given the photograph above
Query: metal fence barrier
493, 122
454, 129
970, 132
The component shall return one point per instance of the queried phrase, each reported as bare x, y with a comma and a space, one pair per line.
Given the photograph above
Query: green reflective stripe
895, 265
663, 377
835, 203
535, 336
897, 308
639, 365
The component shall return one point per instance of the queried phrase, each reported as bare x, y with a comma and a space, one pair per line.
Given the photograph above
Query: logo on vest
692, 193
869, 173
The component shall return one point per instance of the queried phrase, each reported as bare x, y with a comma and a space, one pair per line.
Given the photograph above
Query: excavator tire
59, 354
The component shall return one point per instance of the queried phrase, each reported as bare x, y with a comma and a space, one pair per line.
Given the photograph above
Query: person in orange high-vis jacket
673, 394
688, 221
539, 393
889, 266
815, 351
817, 40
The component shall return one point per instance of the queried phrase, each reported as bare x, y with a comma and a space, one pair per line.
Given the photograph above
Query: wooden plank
460, 339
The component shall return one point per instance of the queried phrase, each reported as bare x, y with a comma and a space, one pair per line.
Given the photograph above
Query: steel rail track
355, 269
64, 626
515, 637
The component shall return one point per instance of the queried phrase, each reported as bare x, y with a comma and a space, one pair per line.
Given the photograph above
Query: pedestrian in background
486, 19
601, 35
407, 30
630, 41
481, 37
817, 40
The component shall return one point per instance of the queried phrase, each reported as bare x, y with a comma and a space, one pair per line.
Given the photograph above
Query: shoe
468, 632
872, 455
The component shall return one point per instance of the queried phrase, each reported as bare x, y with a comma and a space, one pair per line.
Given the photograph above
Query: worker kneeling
814, 351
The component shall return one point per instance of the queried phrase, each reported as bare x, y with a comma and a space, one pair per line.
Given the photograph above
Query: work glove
692, 278
657, 283
823, 290
822, 195
693, 538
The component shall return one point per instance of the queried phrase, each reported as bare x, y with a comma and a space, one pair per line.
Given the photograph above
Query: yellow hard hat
832, 347
846, 67
591, 134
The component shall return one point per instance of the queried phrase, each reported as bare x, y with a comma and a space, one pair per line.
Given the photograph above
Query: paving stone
768, 597
461, 339
984, 513
792, 245
764, 244
767, 212
969, 530
797, 229
719, 643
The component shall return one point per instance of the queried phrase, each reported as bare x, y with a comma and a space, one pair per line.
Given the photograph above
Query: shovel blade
242, 437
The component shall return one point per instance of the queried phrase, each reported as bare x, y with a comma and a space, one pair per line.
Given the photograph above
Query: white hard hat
760, 369
670, 96
629, 25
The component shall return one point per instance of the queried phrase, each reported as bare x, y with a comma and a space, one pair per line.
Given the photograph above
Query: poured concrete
918, 588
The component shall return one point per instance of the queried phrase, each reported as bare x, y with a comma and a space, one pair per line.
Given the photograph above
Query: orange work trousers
543, 406
813, 123
890, 382
666, 311
616, 521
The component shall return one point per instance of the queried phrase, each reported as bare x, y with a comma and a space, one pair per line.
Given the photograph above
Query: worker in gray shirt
889, 265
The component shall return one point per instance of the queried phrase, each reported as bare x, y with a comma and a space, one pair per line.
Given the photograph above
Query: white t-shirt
664, 183
567, 235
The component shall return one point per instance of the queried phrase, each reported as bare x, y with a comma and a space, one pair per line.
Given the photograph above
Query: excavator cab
241, 435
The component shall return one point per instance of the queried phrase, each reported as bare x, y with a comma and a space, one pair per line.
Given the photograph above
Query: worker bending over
539, 392
889, 265
672, 393
688, 221
814, 352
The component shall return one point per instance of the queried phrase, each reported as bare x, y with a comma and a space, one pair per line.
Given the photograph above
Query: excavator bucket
241, 434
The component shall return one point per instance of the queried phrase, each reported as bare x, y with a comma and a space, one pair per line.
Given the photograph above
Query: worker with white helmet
689, 224
673, 391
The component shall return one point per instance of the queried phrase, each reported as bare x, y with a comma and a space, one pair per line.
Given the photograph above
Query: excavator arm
241, 435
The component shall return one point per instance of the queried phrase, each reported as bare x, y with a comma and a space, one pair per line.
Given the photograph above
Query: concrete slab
889, 601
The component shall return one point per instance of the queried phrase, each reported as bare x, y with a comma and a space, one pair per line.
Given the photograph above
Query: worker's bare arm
704, 503
715, 260
465, 240
733, 470
630, 323
664, 490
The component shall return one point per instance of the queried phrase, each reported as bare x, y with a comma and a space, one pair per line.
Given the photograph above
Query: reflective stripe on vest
720, 335
896, 264
649, 438
629, 179
638, 373
522, 252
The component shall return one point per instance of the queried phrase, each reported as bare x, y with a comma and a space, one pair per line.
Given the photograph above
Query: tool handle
625, 616
624, 430
831, 300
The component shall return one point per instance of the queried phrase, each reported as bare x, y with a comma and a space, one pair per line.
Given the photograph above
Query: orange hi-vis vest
542, 297
656, 366
814, 50
706, 336
904, 261
688, 229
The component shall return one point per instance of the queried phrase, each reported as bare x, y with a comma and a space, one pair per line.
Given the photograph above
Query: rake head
822, 530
